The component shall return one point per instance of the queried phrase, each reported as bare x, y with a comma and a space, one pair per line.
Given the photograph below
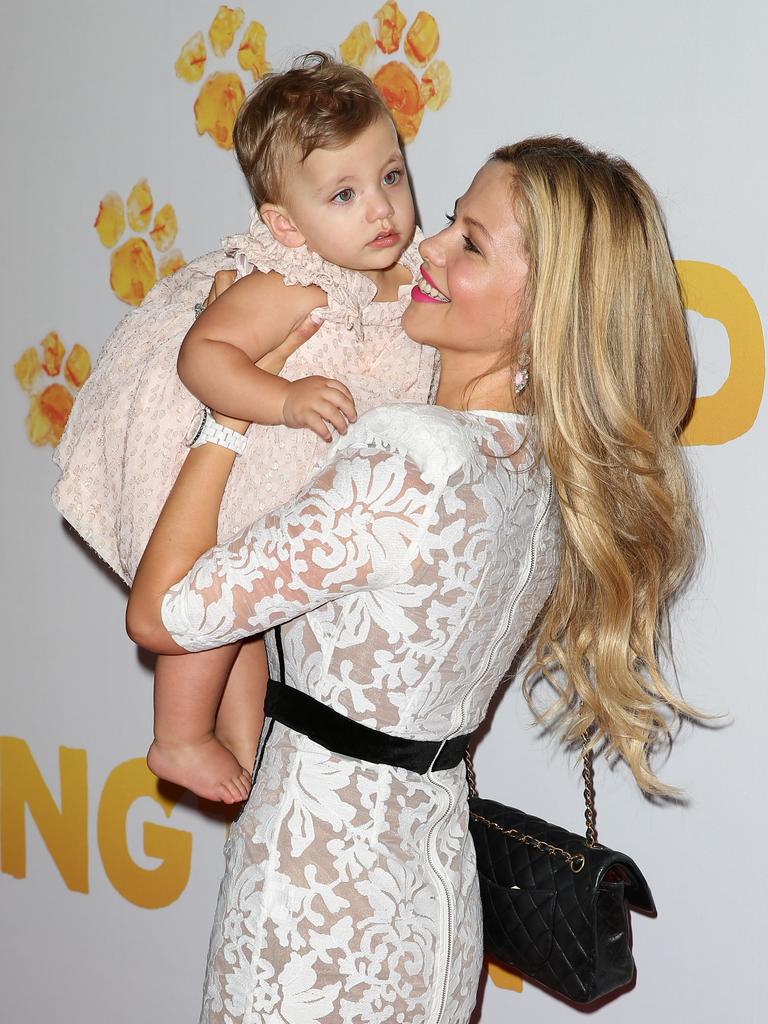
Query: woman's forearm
185, 529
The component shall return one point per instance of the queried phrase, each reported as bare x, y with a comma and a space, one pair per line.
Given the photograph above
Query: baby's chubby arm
250, 319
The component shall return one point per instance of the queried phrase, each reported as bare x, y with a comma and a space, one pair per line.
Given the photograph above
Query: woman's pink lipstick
419, 296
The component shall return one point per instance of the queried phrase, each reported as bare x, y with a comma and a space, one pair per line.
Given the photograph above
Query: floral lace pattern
405, 576
124, 441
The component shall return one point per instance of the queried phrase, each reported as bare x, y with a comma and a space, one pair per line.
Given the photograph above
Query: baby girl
333, 236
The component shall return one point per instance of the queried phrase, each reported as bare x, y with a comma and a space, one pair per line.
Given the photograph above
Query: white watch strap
217, 433
225, 436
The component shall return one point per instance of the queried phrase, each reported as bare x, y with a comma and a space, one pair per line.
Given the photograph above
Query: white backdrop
106, 893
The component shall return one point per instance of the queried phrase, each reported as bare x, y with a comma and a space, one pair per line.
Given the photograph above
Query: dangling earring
523, 361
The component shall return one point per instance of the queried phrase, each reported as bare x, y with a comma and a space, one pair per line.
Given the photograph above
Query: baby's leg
241, 712
188, 689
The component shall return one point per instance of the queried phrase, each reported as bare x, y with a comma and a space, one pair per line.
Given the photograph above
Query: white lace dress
405, 575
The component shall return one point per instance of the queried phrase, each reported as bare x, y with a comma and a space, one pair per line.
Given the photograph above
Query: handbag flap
636, 889
523, 864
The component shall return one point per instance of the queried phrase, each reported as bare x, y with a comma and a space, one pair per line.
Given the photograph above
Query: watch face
195, 427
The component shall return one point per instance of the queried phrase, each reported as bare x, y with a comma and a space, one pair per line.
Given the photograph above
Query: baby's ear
281, 225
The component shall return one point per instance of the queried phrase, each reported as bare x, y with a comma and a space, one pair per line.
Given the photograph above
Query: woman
408, 573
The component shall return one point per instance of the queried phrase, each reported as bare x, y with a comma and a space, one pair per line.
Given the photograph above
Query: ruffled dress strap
350, 294
412, 258
348, 291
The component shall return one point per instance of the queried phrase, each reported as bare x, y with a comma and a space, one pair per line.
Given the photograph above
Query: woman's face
473, 276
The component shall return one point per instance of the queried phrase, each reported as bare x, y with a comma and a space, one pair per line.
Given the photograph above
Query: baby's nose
380, 208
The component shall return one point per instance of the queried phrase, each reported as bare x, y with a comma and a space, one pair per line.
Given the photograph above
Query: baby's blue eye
345, 196
392, 177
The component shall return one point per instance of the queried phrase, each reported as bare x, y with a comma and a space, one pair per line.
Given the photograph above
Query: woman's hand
302, 330
274, 361
222, 280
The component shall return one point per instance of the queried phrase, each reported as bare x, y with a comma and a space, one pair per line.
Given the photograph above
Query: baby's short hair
318, 103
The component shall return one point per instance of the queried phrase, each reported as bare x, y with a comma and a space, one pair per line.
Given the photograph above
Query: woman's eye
345, 196
392, 177
469, 245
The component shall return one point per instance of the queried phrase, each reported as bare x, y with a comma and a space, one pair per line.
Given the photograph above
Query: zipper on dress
457, 731
435, 866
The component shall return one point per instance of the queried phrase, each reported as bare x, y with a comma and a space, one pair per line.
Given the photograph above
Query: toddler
332, 232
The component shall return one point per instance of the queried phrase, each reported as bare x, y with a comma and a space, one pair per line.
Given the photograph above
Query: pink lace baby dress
124, 441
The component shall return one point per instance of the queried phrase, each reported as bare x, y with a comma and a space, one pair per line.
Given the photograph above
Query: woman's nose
432, 250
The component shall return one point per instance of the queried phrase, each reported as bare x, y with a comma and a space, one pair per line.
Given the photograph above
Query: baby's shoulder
432, 437
270, 293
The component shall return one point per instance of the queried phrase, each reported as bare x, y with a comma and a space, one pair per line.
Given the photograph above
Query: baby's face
353, 205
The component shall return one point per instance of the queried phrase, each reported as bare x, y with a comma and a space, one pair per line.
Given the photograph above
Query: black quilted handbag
555, 904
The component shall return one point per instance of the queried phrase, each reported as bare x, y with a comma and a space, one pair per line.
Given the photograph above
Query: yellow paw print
51, 403
406, 95
222, 92
132, 267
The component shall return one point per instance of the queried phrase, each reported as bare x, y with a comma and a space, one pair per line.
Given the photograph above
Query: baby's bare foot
243, 748
206, 768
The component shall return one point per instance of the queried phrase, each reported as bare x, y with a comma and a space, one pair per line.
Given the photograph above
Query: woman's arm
185, 529
355, 527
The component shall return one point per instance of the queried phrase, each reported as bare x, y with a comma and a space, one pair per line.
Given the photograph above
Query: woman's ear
281, 225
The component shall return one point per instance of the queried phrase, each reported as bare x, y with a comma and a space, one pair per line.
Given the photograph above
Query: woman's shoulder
433, 438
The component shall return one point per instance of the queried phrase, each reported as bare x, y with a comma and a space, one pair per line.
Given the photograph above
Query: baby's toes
228, 793
242, 784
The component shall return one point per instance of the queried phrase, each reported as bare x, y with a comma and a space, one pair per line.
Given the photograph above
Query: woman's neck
493, 392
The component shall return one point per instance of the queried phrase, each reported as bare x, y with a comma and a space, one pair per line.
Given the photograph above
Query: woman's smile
425, 289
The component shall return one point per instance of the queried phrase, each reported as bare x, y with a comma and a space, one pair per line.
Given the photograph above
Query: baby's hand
316, 402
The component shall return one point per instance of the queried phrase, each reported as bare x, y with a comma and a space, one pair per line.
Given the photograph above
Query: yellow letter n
64, 830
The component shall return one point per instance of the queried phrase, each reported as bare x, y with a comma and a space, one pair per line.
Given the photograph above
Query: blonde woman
546, 485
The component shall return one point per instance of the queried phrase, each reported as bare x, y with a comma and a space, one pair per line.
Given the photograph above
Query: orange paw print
406, 95
132, 267
222, 92
50, 403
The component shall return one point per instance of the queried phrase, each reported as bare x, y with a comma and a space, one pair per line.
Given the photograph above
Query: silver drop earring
523, 361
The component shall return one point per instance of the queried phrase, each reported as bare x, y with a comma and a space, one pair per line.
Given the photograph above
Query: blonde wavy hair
612, 381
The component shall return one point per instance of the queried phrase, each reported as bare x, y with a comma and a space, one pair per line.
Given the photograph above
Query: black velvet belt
343, 735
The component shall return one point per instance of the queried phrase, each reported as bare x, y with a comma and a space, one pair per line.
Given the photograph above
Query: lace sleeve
356, 526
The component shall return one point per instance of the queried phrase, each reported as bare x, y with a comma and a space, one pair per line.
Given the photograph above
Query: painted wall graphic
99, 864
222, 92
133, 269
51, 376
406, 95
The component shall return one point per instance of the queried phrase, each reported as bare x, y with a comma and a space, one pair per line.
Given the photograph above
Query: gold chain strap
589, 791
575, 861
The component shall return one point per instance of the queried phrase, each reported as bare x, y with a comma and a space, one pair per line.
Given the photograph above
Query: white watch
204, 429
